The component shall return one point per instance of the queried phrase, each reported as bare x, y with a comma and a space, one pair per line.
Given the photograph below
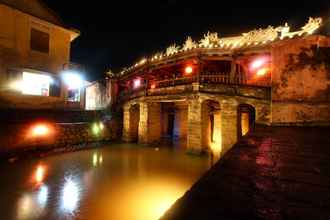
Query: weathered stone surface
276, 173
300, 81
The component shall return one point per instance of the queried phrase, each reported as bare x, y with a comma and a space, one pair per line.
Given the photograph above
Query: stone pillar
154, 122
143, 124
229, 124
194, 136
126, 123
149, 125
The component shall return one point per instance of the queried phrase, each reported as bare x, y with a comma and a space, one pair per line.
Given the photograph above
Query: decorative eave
211, 42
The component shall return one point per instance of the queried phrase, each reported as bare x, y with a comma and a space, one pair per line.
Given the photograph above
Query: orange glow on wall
263, 71
188, 70
153, 86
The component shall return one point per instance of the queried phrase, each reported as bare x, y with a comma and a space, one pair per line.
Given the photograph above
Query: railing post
232, 72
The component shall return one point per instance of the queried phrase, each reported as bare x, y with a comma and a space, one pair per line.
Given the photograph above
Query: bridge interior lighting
188, 70
136, 83
153, 86
263, 71
258, 63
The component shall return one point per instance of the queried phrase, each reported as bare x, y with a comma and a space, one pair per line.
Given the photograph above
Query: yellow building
34, 51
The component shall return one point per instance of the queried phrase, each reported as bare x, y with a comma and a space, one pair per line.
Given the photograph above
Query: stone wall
301, 81
18, 137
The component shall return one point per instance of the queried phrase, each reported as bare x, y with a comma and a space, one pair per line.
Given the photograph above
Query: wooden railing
223, 79
174, 82
214, 78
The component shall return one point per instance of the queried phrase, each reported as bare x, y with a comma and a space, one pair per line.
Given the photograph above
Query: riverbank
47, 151
275, 173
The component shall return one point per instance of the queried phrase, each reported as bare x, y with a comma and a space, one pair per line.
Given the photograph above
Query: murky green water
121, 182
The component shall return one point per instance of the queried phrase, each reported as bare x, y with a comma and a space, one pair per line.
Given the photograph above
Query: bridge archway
134, 120
174, 119
211, 126
246, 115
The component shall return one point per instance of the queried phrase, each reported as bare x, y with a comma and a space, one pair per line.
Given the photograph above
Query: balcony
219, 83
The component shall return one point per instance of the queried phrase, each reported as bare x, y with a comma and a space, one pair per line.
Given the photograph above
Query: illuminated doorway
246, 119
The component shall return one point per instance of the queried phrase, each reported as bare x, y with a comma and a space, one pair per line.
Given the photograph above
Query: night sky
115, 34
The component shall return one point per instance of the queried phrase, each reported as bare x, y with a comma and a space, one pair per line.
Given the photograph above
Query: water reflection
137, 183
39, 174
32, 205
70, 195
43, 196
97, 159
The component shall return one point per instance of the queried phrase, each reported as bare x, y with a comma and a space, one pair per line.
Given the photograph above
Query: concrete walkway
276, 173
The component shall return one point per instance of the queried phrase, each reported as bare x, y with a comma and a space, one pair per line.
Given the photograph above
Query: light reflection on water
70, 195
117, 182
31, 205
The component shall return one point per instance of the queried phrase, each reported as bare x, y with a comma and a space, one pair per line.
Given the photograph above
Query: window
36, 84
39, 41
74, 95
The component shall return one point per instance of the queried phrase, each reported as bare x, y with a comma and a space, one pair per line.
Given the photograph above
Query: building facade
211, 92
34, 50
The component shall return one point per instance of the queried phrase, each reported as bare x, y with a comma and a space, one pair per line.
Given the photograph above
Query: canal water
118, 182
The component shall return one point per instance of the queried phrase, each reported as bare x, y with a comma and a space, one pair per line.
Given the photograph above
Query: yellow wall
15, 52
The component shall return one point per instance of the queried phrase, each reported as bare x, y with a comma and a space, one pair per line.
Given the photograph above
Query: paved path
276, 173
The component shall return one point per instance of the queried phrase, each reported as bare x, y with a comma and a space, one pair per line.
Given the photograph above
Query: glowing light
73, 80
100, 159
256, 64
188, 70
70, 195
136, 83
153, 86
16, 85
35, 84
245, 123
263, 71
96, 129
216, 144
101, 126
40, 174
43, 195
40, 130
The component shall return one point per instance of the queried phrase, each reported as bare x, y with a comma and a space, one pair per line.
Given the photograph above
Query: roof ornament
248, 39
189, 44
210, 40
312, 25
172, 50
110, 73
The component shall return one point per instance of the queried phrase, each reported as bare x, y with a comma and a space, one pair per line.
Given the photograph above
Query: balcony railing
175, 82
212, 79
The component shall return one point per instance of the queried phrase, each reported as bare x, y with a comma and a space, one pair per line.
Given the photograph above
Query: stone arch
134, 119
211, 125
246, 117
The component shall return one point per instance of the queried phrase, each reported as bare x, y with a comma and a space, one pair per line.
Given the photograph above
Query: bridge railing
174, 81
212, 79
